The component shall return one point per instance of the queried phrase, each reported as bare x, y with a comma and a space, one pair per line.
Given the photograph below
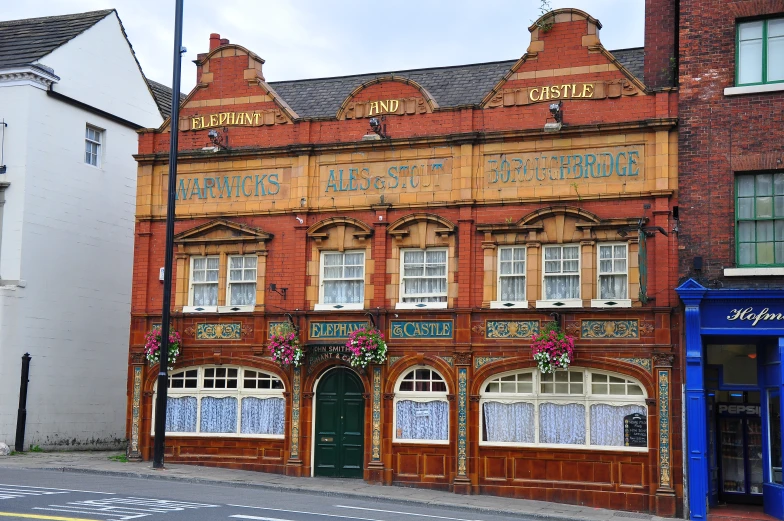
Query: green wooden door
340, 421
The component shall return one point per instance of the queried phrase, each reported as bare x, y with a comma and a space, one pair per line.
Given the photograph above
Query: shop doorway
340, 421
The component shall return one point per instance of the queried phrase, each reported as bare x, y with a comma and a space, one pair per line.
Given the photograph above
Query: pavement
99, 462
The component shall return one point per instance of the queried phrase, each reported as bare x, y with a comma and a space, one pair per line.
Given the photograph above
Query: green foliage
546, 24
36, 448
122, 458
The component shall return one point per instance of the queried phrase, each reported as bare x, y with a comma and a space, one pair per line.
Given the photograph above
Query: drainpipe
3, 186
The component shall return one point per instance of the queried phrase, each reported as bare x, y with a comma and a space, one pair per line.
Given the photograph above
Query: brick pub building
460, 228
731, 233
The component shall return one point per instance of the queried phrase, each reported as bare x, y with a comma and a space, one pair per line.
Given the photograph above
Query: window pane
776, 50
354, 259
512, 289
235, 262
552, 253
436, 256
422, 420
243, 294
205, 295
561, 287
562, 423
509, 422
764, 231
605, 252
506, 254
750, 52
764, 184
181, 414
333, 259
262, 416
212, 263
745, 186
750, 30
413, 256
765, 253
218, 414
746, 231
764, 207
746, 254
613, 287
571, 252
607, 427
745, 208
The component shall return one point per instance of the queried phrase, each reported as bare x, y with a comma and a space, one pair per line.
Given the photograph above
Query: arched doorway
340, 421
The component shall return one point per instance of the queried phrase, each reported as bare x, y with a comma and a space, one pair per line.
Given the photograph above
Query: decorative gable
387, 95
220, 232
564, 61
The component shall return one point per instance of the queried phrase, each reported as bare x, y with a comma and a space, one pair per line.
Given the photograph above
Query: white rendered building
72, 96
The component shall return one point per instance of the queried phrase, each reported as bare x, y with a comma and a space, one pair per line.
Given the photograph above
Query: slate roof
163, 97
450, 86
23, 42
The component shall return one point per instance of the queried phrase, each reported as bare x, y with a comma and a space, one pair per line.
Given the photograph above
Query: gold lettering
202, 121
384, 106
230, 118
587, 90
545, 93
393, 104
555, 91
195, 123
531, 93
255, 118
574, 90
565, 90
213, 120
373, 108
222, 117
249, 118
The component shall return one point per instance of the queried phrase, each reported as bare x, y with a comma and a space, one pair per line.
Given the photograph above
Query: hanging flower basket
152, 346
367, 346
552, 349
284, 346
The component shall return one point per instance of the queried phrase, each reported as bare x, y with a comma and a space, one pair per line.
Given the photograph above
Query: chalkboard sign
635, 430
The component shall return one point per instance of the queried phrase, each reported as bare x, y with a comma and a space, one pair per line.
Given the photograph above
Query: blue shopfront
734, 348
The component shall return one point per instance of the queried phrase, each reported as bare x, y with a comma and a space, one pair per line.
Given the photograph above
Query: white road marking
125, 509
299, 512
404, 513
260, 518
58, 489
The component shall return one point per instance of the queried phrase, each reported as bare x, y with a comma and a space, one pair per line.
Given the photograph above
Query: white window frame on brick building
551, 301
341, 274
421, 393
241, 271
609, 268
423, 300
202, 277
512, 270
93, 145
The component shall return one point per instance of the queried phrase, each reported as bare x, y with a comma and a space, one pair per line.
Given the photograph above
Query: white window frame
506, 304
587, 398
239, 393
419, 396
190, 308
562, 303
99, 132
345, 306
228, 308
423, 305
609, 302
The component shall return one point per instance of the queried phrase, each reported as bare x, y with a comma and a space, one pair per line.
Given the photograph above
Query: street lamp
163, 374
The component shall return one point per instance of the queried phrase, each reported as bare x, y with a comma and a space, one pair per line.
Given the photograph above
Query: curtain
422, 420
205, 281
205, 294
562, 423
509, 422
512, 289
242, 294
607, 423
561, 287
344, 291
181, 414
262, 416
612, 286
424, 272
218, 414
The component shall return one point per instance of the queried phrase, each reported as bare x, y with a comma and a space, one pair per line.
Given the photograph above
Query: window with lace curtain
240, 284
225, 401
342, 280
242, 281
573, 408
204, 281
423, 281
511, 277
613, 273
561, 276
421, 407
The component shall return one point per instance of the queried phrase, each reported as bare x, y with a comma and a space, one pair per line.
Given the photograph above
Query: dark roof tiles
23, 42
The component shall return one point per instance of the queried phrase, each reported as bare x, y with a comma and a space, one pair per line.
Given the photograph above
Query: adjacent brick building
450, 208
731, 244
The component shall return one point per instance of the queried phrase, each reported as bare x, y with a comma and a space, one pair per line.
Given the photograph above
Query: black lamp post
163, 372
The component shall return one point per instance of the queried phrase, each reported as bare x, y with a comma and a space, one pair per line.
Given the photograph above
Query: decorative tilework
135, 416
421, 329
610, 329
645, 363
375, 453
664, 428
479, 361
462, 421
394, 359
274, 328
231, 331
295, 388
449, 360
511, 328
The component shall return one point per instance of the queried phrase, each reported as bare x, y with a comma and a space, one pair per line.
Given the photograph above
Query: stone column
376, 465
136, 379
665, 494
462, 483
294, 464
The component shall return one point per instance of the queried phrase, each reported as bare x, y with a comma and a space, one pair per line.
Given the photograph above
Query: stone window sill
753, 272
754, 89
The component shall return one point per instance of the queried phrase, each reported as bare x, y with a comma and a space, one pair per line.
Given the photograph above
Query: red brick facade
475, 190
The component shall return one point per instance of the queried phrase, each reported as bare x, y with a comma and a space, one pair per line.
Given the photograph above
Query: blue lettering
379, 183
565, 161
413, 169
393, 176
553, 161
621, 173
365, 175
493, 170
352, 185
260, 183
632, 163
273, 180
183, 191
577, 169
590, 161
343, 188
518, 170
505, 171
543, 169
331, 182
223, 186
246, 178
209, 183
196, 189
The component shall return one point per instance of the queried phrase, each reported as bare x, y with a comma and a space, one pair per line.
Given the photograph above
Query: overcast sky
316, 38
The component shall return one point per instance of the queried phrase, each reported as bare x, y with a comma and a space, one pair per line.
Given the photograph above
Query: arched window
225, 401
421, 407
578, 407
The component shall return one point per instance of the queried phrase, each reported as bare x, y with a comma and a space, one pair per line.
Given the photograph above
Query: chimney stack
661, 43
215, 41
